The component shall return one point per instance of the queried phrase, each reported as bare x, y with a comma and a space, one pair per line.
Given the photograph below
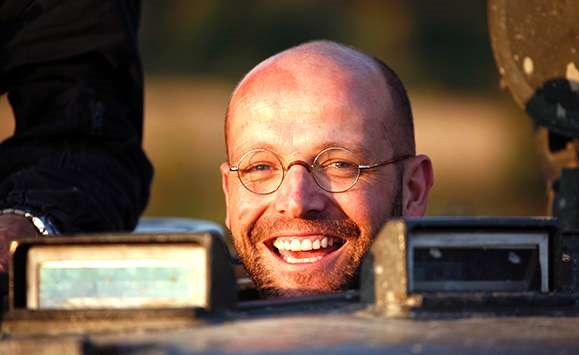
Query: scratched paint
528, 66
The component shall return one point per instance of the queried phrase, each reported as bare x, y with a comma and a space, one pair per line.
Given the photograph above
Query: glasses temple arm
386, 162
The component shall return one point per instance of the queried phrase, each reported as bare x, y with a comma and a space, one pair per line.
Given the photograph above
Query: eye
338, 168
259, 168
341, 165
337, 164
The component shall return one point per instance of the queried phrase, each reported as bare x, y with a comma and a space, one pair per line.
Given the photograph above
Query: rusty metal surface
556, 153
567, 275
333, 333
566, 204
336, 324
24, 323
384, 273
366, 334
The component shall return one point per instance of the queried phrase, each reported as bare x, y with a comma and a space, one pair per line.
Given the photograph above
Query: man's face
301, 239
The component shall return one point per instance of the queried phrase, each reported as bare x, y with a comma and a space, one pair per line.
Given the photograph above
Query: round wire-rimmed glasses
334, 170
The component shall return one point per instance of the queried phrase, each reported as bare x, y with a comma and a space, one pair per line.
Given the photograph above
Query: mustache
266, 228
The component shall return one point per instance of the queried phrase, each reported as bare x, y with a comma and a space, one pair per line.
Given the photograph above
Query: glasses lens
335, 170
260, 171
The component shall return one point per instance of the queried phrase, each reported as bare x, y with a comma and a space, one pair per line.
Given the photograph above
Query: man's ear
225, 186
418, 179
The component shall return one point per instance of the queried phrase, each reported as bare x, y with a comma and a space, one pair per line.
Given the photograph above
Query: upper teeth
302, 244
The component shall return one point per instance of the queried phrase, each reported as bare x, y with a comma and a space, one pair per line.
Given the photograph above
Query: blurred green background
194, 52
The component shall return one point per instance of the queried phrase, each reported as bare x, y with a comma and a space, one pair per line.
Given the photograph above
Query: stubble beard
340, 278
268, 281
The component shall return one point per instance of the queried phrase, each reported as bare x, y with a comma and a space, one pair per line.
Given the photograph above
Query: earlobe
225, 186
418, 179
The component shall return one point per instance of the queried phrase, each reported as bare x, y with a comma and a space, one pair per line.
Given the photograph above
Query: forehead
306, 110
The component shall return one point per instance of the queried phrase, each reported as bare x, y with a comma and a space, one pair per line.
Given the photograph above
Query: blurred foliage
436, 43
195, 51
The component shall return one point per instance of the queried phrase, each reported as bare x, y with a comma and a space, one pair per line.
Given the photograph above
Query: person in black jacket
72, 73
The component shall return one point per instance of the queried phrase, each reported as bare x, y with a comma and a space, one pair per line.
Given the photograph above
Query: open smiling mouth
303, 250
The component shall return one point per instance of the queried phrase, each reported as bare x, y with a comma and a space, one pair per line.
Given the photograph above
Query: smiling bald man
320, 149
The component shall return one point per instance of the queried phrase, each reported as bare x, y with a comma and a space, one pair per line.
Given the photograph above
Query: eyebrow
244, 148
361, 151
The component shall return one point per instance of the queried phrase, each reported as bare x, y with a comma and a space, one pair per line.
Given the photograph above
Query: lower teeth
291, 260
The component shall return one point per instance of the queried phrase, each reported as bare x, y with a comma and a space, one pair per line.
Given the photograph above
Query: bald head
339, 69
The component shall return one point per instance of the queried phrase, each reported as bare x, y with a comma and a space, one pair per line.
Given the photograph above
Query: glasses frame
309, 167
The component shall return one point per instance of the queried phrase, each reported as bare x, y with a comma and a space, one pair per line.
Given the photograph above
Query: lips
304, 249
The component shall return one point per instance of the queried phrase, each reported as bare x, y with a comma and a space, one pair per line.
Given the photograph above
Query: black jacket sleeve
72, 74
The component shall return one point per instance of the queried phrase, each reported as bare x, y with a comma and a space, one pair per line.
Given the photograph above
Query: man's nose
299, 195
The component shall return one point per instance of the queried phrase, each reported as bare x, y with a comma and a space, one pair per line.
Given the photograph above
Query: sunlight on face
301, 239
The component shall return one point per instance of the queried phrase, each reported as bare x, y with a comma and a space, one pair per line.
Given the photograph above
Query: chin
286, 291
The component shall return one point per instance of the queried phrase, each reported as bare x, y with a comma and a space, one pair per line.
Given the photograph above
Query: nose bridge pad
307, 166
299, 162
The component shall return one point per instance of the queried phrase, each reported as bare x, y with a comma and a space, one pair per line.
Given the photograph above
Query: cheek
357, 207
368, 208
244, 209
